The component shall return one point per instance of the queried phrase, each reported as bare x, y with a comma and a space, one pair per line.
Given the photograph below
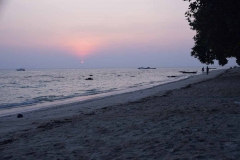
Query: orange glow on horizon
82, 47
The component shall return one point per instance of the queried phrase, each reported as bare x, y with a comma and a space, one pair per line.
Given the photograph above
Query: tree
217, 26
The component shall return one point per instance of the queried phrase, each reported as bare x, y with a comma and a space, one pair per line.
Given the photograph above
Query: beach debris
89, 78
90, 114
171, 76
186, 87
8, 157
166, 94
19, 116
90, 75
230, 125
6, 141
104, 108
54, 123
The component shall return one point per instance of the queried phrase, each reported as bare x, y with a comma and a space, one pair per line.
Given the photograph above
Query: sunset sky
94, 34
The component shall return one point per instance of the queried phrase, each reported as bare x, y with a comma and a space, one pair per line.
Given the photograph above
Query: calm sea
32, 87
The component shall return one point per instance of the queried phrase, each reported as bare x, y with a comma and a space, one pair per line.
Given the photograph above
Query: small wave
33, 101
13, 105
59, 77
134, 86
50, 98
45, 76
112, 89
27, 87
42, 81
92, 92
109, 90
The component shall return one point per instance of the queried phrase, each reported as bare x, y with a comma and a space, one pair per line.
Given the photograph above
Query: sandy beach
196, 118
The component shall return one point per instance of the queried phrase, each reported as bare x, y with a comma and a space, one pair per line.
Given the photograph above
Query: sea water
33, 87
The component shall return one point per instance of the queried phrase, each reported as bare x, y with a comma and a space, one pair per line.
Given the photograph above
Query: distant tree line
217, 26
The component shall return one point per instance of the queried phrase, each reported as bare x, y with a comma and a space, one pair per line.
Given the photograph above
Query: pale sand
199, 121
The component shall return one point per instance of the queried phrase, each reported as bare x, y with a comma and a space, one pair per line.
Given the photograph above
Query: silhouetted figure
202, 69
207, 69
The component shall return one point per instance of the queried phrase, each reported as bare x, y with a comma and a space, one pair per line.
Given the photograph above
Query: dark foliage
217, 26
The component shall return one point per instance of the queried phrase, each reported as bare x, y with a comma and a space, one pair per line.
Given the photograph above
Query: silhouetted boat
188, 72
89, 78
21, 69
146, 68
172, 76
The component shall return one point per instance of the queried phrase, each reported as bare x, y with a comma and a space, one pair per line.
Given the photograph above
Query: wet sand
191, 119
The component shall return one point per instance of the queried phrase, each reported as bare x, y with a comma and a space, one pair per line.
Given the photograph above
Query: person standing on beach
202, 69
207, 69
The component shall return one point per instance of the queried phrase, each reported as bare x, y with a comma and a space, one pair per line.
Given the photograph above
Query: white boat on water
20, 69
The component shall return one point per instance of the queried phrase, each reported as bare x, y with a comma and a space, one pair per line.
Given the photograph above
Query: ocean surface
34, 87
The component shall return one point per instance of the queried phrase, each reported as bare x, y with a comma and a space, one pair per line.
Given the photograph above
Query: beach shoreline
194, 119
129, 95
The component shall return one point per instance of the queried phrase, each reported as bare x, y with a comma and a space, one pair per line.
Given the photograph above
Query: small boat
188, 72
21, 69
146, 68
